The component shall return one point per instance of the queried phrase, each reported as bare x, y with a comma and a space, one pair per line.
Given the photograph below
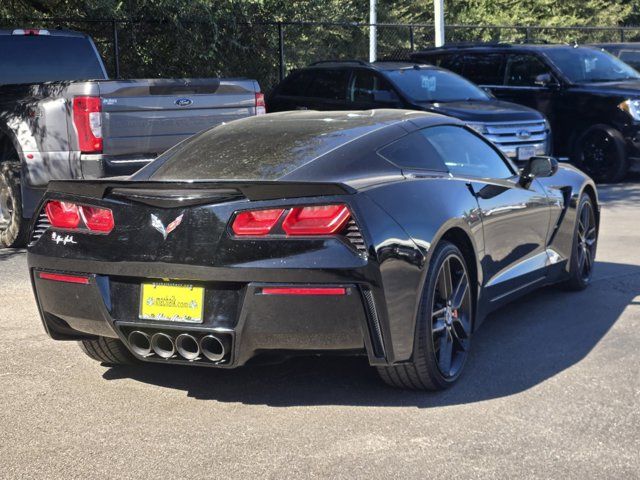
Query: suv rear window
47, 58
329, 84
483, 69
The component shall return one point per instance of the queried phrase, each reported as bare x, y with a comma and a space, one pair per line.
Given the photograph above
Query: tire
440, 327
601, 153
585, 242
110, 351
13, 228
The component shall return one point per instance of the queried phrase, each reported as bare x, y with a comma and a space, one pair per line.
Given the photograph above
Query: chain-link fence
266, 51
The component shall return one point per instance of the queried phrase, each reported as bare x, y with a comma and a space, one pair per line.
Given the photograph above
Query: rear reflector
97, 219
316, 220
304, 291
88, 122
59, 277
256, 223
261, 107
62, 214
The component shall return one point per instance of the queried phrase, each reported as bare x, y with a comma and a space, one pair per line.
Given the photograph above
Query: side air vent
375, 332
353, 234
41, 226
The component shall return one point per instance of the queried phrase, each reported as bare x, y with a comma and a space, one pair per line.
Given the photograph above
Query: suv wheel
601, 153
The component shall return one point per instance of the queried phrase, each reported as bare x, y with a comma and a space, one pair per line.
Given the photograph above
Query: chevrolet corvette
390, 234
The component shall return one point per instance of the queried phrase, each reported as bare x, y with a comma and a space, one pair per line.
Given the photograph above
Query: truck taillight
261, 107
87, 119
313, 220
67, 215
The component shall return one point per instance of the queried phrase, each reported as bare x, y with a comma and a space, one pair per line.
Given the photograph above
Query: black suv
518, 132
591, 98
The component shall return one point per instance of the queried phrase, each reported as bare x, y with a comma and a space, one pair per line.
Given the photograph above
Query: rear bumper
250, 321
100, 166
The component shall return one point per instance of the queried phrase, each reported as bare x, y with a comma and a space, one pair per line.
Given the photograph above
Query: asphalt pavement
552, 390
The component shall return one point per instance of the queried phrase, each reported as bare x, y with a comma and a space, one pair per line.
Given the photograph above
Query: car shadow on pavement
517, 348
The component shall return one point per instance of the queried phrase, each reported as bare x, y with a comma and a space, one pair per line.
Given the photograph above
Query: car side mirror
538, 167
545, 80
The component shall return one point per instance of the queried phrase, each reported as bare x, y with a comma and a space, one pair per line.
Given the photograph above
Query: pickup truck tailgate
147, 117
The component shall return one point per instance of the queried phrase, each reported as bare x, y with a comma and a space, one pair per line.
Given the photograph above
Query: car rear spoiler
186, 192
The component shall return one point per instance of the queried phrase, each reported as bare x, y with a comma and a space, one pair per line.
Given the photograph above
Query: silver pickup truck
61, 118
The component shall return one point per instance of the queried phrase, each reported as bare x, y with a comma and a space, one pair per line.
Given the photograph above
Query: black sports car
385, 233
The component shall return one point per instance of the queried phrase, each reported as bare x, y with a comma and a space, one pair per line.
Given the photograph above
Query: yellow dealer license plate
171, 302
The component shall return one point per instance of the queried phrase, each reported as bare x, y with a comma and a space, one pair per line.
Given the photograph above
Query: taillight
67, 215
316, 220
256, 222
88, 123
298, 221
261, 107
62, 214
97, 219
30, 31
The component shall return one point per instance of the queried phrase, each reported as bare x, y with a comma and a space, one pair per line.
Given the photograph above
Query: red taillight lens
97, 219
88, 123
261, 107
256, 222
62, 214
316, 220
59, 277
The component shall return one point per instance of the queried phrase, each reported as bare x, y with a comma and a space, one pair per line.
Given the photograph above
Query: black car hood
626, 88
489, 111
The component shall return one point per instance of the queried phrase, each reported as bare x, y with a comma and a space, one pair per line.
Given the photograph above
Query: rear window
329, 84
36, 59
259, 148
296, 84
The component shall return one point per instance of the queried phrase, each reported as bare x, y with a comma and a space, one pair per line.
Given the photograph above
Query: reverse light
88, 122
62, 214
97, 219
256, 223
261, 107
316, 220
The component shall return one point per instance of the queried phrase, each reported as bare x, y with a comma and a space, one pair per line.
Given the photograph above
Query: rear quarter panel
419, 211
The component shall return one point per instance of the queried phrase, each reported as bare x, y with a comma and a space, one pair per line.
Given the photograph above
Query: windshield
431, 85
584, 65
47, 58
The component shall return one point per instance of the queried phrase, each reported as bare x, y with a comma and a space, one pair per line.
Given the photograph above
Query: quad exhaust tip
212, 348
187, 346
140, 343
162, 345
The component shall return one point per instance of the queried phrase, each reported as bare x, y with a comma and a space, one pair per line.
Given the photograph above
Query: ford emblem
523, 134
184, 102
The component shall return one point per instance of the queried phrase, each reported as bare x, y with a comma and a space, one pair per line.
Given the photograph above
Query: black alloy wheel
450, 318
443, 325
586, 241
602, 154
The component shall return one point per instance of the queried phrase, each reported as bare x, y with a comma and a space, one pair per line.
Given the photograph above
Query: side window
522, 70
631, 57
454, 63
296, 84
328, 84
413, 151
367, 87
466, 154
483, 69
